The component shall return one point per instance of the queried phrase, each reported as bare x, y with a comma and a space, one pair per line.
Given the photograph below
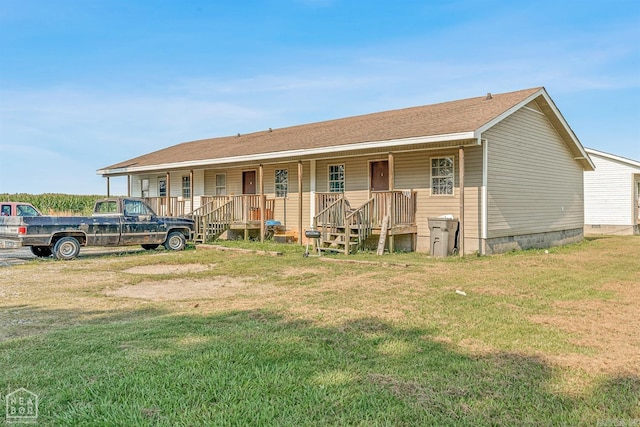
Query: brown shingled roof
466, 115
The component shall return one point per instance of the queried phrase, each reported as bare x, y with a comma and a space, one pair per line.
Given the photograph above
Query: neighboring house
612, 195
507, 165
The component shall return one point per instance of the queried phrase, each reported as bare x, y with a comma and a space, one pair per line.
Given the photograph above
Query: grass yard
205, 337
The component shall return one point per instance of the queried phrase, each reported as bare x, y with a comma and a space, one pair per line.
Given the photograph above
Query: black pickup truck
115, 222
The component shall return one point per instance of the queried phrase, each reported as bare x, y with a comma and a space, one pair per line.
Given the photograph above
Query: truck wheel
149, 247
175, 241
41, 251
66, 248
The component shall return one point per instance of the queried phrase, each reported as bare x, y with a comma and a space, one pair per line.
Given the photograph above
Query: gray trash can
443, 236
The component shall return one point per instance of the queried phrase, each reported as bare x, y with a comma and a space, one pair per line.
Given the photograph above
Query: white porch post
191, 187
300, 202
461, 235
168, 211
262, 201
312, 191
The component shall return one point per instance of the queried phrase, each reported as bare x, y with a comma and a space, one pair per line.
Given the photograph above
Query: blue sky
85, 84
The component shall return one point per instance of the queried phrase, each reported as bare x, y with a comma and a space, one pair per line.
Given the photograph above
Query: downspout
392, 219
300, 202
484, 203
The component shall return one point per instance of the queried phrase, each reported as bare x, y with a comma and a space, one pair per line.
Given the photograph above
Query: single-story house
612, 195
507, 166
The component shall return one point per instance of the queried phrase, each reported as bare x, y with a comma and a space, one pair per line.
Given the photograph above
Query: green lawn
260, 340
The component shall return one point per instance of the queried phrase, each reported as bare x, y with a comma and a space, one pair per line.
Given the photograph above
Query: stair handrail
361, 219
220, 215
331, 217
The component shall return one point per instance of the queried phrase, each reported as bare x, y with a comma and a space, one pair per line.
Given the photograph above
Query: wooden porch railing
400, 206
246, 208
331, 217
360, 220
211, 219
325, 199
214, 201
217, 213
159, 205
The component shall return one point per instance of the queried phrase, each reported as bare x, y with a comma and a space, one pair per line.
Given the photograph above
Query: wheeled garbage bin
443, 233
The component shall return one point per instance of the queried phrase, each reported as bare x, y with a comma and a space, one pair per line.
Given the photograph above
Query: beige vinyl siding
413, 172
234, 187
290, 203
210, 182
609, 192
534, 184
136, 186
356, 177
472, 198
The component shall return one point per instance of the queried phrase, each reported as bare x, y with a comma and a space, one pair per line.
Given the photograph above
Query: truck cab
18, 209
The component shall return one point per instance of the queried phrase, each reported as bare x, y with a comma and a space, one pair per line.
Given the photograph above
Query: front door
249, 182
380, 176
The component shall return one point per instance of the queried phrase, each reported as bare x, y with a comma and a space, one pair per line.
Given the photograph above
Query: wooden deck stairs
211, 220
342, 229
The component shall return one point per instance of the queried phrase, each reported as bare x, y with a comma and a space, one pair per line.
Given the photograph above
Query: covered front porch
346, 229
367, 212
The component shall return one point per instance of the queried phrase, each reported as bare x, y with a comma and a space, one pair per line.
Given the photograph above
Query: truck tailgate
9, 238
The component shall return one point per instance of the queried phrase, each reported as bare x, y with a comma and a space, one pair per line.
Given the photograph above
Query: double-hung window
186, 187
336, 178
221, 184
442, 176
282, 182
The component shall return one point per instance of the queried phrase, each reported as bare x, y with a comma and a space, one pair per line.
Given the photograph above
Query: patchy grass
226, 338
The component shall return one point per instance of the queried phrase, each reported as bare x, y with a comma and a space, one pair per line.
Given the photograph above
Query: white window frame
279, 187
162, 179
144, 187
220, 190
329, 180
186, 191
433, 177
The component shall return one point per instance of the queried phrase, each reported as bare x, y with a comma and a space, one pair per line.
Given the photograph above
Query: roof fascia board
507, 113
293, 153
613, 157
541, 92
568, 129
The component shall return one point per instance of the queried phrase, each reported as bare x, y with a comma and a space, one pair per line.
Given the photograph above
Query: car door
140, 225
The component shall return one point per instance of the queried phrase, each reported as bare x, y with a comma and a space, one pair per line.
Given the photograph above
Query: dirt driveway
10, 257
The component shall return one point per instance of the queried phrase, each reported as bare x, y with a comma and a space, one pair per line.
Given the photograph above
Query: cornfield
56, 204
